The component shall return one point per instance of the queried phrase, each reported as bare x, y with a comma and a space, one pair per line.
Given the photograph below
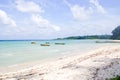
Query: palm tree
116, 33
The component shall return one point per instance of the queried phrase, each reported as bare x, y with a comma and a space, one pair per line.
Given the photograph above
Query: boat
45, 44
60, 43
33, 42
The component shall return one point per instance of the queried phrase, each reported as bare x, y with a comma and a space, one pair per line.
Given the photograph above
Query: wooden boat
45, 44
60, 43
33, 42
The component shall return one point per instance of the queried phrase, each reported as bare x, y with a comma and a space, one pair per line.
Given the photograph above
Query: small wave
15, 65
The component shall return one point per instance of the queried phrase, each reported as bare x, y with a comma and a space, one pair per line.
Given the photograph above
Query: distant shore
108, 41
98, 64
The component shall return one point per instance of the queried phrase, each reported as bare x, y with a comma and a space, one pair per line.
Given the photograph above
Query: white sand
96, 65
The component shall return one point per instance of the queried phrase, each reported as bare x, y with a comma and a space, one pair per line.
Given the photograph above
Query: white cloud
80, 13
56, 28
83, 12
5, 19
38, 20
41, 22
99, 7
28, 6
34, 9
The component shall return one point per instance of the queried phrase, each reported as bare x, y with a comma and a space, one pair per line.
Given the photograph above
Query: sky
49, 19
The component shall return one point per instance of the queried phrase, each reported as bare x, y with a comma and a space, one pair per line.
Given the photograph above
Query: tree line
115, 35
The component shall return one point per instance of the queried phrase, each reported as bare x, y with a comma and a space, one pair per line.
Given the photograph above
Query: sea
22, 51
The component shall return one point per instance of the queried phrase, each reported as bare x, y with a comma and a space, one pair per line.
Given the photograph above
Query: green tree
116, 33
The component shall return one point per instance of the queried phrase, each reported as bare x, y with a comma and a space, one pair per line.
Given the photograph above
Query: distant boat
33, 42
60, 43
108, 41
45, 44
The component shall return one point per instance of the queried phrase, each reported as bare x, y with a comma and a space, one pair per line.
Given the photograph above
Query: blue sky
48, 19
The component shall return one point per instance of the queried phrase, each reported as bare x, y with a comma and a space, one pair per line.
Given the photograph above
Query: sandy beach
99, 64
59, 39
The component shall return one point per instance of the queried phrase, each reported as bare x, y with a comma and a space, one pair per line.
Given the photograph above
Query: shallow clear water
15, 52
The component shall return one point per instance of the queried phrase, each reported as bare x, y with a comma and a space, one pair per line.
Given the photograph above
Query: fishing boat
60, 43
45, 44
33, 42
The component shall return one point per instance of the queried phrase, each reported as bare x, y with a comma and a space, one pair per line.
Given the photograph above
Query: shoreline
15, 67
59, 68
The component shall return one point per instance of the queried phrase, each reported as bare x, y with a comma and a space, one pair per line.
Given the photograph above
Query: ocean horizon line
26, 39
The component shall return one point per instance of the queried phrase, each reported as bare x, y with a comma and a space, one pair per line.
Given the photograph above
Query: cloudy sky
47, 19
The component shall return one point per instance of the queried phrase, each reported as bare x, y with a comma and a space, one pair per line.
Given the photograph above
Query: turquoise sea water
18, 51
